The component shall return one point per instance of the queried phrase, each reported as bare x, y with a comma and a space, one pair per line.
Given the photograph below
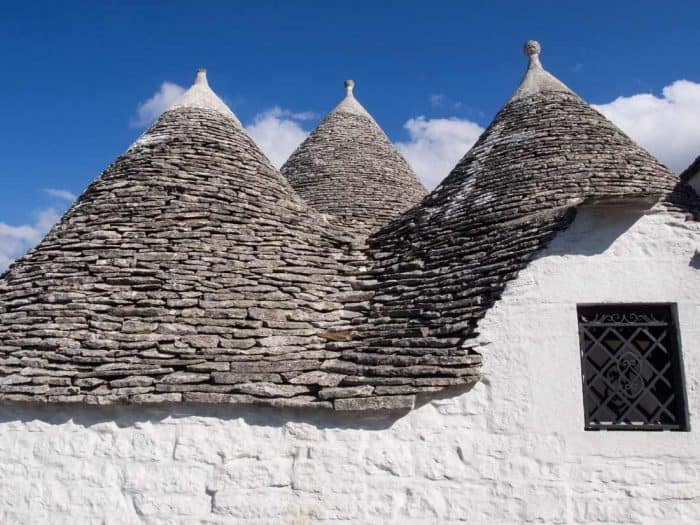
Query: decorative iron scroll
631, 368
626, 375
624, 318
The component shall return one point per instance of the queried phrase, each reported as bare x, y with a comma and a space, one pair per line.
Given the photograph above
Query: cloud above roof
16, 240
435, 145
150, 109
667, 126
278, 132
65, 195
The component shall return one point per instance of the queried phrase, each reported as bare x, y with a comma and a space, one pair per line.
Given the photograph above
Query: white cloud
436, 145
150, 110
298, 115
278, 133
16, 240
667, 126
61, 194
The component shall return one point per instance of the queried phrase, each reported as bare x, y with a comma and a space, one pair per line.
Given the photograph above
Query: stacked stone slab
347, 168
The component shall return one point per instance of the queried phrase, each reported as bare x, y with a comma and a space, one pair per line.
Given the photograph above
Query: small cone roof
347, 168
189, 263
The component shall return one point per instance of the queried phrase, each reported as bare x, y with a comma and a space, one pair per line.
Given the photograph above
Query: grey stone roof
443, 264
349, 169
190, 270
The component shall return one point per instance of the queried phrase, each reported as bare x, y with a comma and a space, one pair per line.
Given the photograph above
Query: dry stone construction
202, 338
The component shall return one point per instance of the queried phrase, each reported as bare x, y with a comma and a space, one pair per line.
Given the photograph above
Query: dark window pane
631, 368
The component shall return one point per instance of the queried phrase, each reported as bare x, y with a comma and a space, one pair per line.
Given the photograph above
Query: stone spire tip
536, 79
200, 95
349, 85
201, 77
532, 47
532, 50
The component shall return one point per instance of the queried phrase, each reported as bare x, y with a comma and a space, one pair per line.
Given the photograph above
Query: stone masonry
191, 270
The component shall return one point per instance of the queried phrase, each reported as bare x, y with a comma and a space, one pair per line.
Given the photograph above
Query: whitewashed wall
512, 450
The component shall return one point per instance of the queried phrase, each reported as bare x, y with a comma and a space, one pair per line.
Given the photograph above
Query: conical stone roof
189, 266
190, 270
443, 264
347, 168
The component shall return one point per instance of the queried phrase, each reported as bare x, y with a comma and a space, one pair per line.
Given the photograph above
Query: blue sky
432, 73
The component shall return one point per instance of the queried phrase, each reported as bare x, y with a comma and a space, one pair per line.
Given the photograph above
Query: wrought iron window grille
631, 368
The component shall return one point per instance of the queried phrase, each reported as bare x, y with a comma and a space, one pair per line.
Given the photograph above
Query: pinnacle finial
201, 77
537, 79
532, 47
349, 84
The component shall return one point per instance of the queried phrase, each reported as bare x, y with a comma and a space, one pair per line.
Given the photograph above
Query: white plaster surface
512, 450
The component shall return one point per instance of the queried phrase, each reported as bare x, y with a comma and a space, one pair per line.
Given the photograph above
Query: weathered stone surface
156, 398
130, 381
178, 378
271, 389
350, 391
317, 377
209, 367
293, 402
234, 378
375, 403
189, 257
202, 341
198, 387
15, 380
213, 397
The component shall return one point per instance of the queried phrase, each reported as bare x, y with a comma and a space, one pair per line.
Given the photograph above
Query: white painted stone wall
512, 450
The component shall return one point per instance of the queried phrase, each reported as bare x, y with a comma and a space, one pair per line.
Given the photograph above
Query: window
631, 368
